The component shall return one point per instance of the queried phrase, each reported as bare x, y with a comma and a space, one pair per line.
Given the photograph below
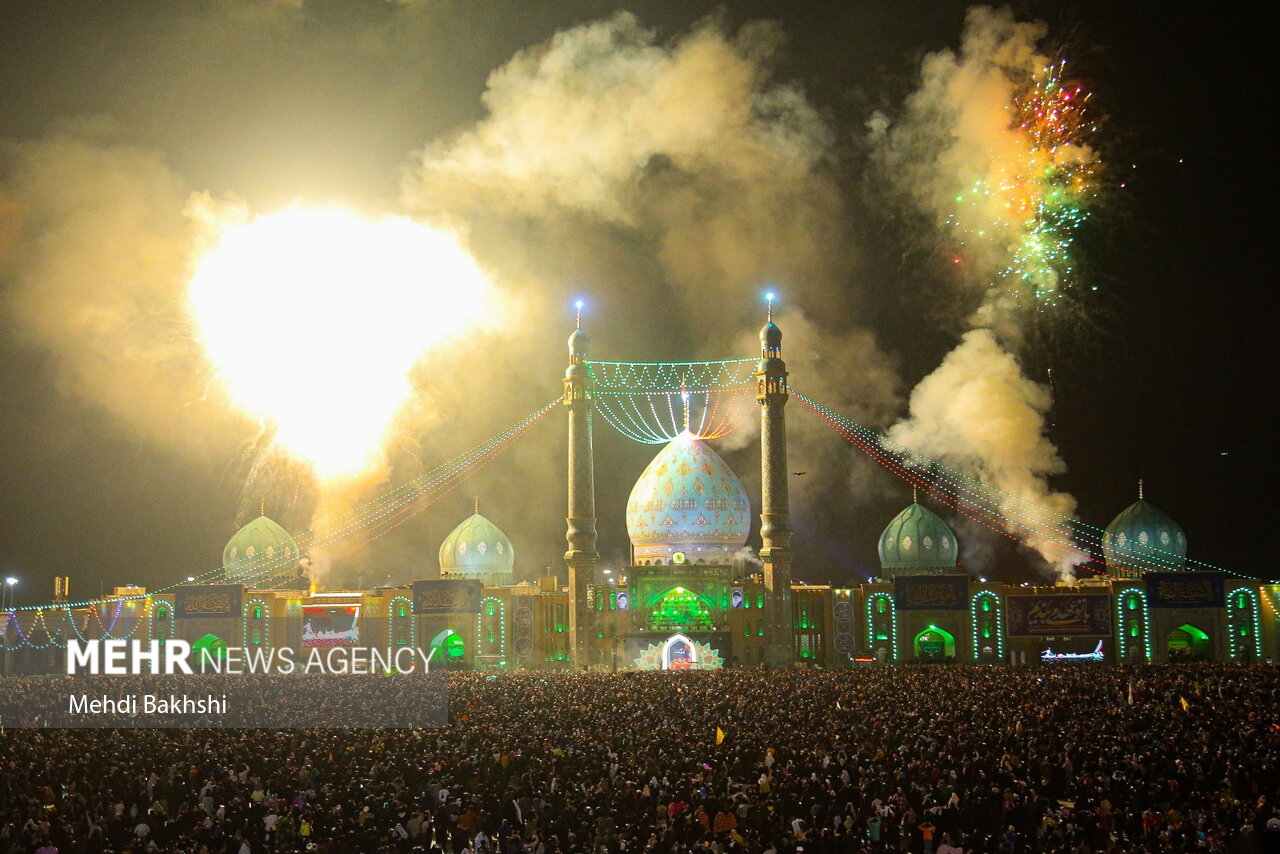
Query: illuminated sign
330, 625
1095, 655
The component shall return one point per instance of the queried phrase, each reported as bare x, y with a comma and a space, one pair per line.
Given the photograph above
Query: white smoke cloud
605, 147
673, 182
977, 411
692, 146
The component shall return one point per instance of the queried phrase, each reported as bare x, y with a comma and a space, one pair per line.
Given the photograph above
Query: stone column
581, 556
775, 509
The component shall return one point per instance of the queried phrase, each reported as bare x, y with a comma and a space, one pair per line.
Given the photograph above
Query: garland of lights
413, 641
1054, 530
1138, 595
710, 413
502, 625
389, 510
671, 376
1079, 528
265, 640
1251, 609
654, 402
892, 609
973, 619
952, 498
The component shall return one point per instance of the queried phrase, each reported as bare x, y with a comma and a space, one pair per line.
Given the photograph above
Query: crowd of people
1072, 758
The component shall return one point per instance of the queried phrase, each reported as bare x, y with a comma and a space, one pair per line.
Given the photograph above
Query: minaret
775, 509
581, 557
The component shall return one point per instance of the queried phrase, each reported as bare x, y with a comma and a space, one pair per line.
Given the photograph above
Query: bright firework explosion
1037, 191
314, 320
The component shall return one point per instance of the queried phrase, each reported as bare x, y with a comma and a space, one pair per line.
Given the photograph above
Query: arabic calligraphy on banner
1185, 589
1031, 616
447, 596
931, 592
208, 600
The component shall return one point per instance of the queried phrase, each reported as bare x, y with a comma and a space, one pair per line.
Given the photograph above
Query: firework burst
1035, 193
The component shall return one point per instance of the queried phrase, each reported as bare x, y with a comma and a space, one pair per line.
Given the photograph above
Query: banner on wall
931, 592
1186, 589
208, 600
1032, 616
447, 596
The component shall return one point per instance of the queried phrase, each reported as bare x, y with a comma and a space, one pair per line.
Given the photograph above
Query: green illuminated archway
934, 643
1187, 641
680, 609
447, 649
208, 652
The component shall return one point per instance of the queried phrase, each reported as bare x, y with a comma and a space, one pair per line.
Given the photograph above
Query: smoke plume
977, 411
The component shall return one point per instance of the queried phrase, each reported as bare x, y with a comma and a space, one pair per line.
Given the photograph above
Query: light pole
8, 591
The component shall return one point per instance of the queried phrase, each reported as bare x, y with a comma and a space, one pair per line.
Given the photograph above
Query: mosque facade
695, 596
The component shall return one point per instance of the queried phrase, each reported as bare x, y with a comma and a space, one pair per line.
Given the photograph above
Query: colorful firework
1036, 192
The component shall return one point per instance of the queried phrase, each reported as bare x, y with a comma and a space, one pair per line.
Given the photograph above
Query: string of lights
703, 413
385, 513
992, 519
1077, 541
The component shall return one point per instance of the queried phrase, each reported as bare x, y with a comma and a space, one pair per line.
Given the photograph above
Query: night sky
1162, 378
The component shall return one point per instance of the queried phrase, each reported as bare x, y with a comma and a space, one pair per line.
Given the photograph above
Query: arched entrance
680, 609
935, 644
447, 650
1188, 643
679, 653
209, 652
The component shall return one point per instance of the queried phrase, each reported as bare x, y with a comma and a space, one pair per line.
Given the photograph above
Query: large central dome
688, 501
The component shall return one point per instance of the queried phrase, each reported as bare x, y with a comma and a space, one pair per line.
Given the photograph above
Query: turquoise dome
1144, 538
477, 549
688, 501
260, 548
917, 542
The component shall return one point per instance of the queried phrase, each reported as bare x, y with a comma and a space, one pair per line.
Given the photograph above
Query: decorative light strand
1153, 556
971, 510
1122, 600
393, 503
1059, 532
998, 611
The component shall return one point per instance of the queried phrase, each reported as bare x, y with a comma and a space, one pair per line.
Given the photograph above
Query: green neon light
885, 604
982, 600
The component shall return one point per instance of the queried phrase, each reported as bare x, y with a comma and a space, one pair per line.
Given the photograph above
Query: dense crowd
1073, 758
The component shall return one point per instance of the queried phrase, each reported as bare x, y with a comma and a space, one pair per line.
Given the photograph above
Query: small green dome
260, 548
477, 549
917, 542
1144, 538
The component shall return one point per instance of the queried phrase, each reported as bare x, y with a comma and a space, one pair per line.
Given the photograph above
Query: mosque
696, 597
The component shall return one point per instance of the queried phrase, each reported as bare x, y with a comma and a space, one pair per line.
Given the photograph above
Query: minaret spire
581, 557
775, 510
684, 399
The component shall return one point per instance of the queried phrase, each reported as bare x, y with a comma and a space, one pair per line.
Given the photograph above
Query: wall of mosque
724, 616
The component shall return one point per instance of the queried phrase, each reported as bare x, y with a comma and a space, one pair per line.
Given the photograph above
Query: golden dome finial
1140, 489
